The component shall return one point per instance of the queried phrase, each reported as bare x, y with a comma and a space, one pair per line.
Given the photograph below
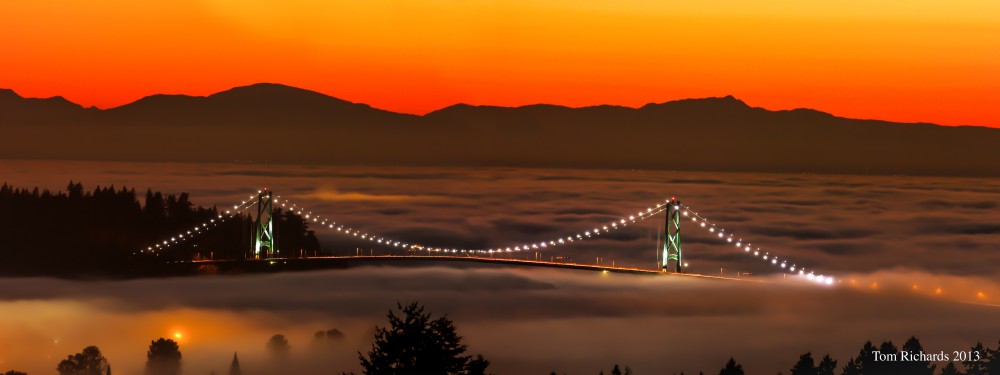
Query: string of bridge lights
342, 229
622, 222
730, 238
189, 234
587, 234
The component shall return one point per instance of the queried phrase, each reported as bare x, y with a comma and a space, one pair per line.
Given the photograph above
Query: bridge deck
350, 261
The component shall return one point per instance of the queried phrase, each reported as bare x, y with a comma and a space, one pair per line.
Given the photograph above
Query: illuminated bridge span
264, 243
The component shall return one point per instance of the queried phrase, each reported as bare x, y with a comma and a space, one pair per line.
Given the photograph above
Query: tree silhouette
993, 360
234, 369
327, 340
12, 372
278, 347
866, 357
827, 366
616, 370
913, 346
415, 344
852, 367
976, 367
732, 368
950, 369
883, 367
805, 365
90, 361
163, 357
108, 231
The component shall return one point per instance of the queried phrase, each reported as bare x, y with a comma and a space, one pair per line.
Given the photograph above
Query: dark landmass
280, 124
103, 233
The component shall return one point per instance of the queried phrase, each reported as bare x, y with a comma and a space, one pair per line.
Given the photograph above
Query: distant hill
276, 123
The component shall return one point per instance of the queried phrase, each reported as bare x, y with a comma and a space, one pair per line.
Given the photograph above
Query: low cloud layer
525, 320
913, 256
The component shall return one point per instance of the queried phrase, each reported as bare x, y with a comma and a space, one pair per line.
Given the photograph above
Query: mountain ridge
303, 126
237, 91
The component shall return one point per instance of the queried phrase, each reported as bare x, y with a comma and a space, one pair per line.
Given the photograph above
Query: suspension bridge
264, 252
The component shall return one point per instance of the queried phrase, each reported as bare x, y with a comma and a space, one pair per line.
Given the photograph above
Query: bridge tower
672, 234
264, 242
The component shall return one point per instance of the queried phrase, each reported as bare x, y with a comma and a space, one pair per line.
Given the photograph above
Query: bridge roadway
327, 262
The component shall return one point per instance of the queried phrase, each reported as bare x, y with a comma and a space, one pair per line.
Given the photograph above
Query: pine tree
852, 367
163, 357
827, 366
913, 346
90, 361
976, 367
993, 360
805, 365
416, 344
950, 369
732, 368
234, 369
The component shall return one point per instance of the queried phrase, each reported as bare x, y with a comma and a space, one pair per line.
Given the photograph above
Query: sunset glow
928, 61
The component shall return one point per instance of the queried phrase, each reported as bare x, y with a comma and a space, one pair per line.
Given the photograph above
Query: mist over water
893, 242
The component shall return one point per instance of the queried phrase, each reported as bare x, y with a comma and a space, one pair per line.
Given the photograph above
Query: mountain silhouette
277, 123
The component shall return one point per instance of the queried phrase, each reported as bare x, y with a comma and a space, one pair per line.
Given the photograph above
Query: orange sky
929, 61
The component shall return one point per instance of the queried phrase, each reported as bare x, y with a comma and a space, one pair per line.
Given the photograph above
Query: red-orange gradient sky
919, 60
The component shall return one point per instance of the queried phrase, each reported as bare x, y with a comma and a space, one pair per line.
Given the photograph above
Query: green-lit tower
672, 232
264, 242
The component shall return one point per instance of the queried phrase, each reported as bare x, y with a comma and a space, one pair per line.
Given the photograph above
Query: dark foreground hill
275, 123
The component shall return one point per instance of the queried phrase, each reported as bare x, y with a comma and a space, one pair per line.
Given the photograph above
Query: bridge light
774, 261
756, 253
712, 229
694, 219
631, 217
783, 264
829, 281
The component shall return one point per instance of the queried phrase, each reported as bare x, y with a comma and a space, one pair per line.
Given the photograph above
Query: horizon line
490, 105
